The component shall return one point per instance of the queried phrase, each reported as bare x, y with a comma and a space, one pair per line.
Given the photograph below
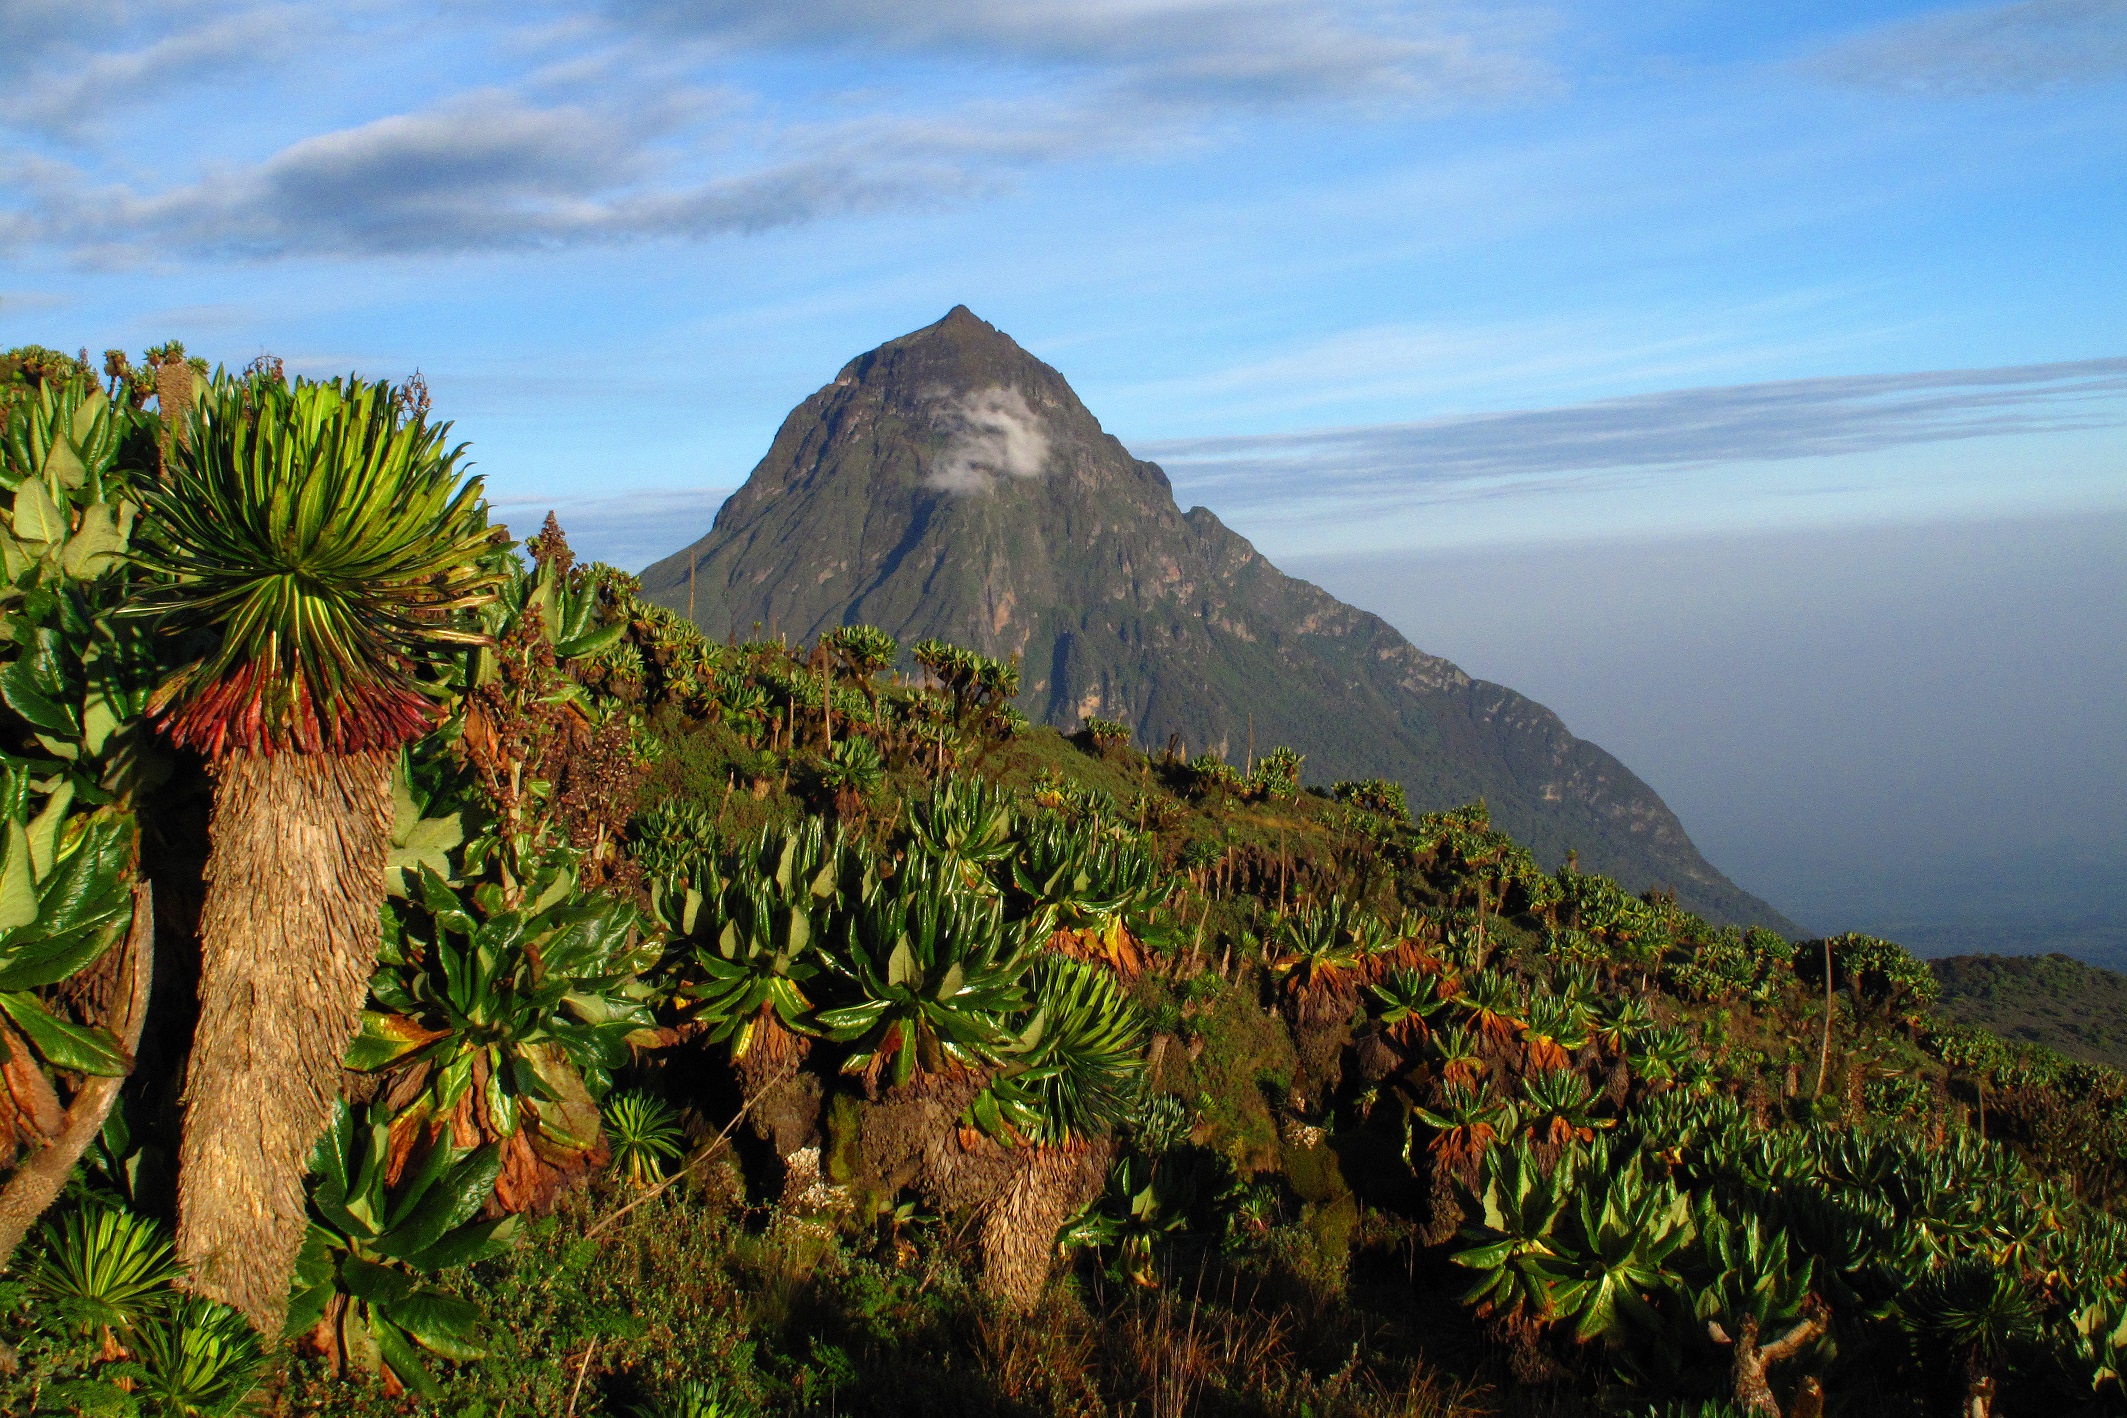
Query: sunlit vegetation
757, 1027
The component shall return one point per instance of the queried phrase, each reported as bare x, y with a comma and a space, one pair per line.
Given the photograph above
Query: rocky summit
950, 484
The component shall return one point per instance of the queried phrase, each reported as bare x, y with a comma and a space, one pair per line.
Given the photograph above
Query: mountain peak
960, 353
950, 484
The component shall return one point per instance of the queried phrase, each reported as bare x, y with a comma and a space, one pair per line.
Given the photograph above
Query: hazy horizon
1916, 730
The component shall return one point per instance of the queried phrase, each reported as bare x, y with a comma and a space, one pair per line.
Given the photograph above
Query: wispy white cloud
990, 434
1251, 51
483, 173
2023, 47
1535, 452
31, 31
594, 123
22, 302
87, 88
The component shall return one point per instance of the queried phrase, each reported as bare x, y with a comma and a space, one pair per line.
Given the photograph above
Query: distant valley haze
1747, 386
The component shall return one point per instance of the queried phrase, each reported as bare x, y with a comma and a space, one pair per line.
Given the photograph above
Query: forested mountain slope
2068, 1006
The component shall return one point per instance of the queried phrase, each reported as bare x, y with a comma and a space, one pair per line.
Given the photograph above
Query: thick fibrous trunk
1019, 1231
288, 937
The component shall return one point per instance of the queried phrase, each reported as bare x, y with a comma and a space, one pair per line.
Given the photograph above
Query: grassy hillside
2053, 1000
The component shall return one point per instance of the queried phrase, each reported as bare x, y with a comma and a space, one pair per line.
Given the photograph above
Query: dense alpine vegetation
434, 978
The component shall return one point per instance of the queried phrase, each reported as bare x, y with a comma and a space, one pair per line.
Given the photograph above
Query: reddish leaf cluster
258, 710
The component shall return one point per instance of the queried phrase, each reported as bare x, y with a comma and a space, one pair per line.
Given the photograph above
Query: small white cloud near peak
991, 433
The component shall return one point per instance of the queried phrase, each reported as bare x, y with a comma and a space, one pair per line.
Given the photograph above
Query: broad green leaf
358, 1339
568, 1117
590, 644
18, 884
373, 1283
44, 831
90, 886
426, 1206
98, 722
394, 1348
501, 1105
452, 1081
37, 518
468, 1185
1485, 1257
49, 959
386, 1038
901, 967
96, 543
313, 1285
441, 1323
466, 1245
31, 696
64, 464
442, 903
434, 834
558, 890
13, 559
86, 415
64, 1044
328, 1156
405, 1204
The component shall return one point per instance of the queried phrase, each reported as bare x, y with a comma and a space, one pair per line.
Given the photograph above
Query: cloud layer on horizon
630, 530
1369, 476
1332, 473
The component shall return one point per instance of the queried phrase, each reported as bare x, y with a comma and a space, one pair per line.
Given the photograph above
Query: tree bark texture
288, 938
36, 1184
1019, 1230
1749, 1389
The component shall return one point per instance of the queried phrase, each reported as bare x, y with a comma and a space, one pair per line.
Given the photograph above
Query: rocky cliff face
950, 484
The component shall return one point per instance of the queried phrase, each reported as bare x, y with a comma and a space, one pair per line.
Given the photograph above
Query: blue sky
1749, 382
1674, 241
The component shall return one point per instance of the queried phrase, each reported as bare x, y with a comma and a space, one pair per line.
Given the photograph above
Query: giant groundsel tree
313, 544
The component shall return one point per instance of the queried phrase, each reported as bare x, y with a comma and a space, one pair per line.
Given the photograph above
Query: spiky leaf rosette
1075, 1067
322, 542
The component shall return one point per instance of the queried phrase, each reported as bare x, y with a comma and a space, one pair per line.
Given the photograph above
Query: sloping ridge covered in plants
948, 484
754, 1028
2067, 1005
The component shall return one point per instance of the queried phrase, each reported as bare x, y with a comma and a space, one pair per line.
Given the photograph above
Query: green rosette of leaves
358, 1282
528, 1007
1076, 1064
935, 973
